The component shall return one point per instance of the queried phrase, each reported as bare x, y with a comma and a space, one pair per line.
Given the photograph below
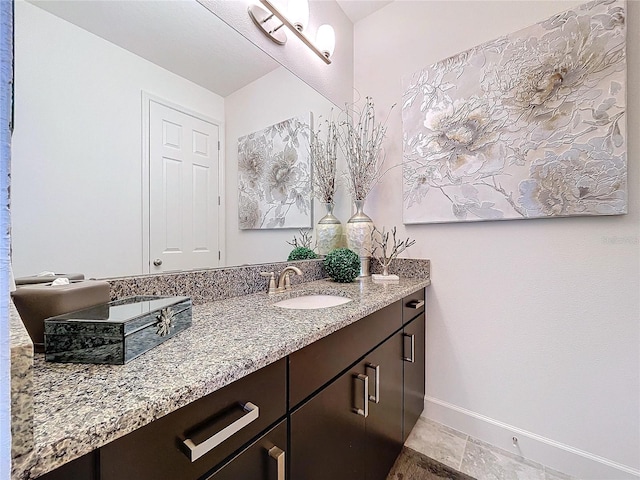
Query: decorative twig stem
361, 140
380, 242
305, 240
323, 159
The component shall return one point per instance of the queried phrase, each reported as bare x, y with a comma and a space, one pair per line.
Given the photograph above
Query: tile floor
412, 465
434, 451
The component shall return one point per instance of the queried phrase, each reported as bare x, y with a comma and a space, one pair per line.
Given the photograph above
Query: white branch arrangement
380, 241
323, 159
304, 241
361, 140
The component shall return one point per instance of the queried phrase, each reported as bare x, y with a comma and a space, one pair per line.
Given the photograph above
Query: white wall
77, 146
533, 326
335, 81
281, 95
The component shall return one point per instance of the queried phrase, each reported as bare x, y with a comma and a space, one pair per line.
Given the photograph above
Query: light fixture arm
262, 22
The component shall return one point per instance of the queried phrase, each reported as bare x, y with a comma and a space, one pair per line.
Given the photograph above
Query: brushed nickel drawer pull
375, 398
197, 451
278, 455
410, 358
417, 304
365, 410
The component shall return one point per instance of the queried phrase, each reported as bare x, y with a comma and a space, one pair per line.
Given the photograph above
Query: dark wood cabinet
413, 305
193, 440
264, 459
327, 435
313, 366
352, 428
340, 409
384, 423
414, 373
414, 356
83, 468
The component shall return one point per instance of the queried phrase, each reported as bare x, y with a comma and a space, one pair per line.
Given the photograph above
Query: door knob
157, 262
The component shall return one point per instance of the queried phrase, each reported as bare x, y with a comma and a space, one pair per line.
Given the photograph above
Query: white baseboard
546, 451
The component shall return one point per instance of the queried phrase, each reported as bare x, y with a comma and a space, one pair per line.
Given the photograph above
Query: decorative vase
359, 228
328, 231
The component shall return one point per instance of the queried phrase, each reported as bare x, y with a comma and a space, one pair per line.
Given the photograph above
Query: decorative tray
115, 332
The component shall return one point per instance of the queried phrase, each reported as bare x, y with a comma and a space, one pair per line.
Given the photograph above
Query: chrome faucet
283, 280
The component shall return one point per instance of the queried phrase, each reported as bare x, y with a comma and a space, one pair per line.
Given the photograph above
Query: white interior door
183, 190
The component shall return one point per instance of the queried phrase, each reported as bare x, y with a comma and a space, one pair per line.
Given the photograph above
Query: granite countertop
21, 386
78, 408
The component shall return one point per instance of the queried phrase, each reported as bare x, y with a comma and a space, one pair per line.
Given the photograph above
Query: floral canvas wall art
274, 176
530, 125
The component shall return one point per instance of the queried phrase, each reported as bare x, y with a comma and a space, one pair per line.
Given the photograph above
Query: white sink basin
310, 302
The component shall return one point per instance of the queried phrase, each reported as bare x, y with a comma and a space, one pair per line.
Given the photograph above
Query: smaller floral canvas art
274, 176
530, 125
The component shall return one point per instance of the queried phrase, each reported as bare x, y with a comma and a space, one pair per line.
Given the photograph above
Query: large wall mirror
90, 78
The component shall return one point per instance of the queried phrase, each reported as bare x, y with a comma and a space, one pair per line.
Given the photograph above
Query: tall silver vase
328, 231
359, 228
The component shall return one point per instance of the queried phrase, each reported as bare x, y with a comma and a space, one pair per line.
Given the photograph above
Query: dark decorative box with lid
115, 332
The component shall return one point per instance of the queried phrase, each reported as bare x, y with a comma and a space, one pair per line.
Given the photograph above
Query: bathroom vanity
251, 390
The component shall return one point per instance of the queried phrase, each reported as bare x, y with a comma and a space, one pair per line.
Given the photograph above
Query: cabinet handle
375, 398
410, 358
278, 455
363, 411
415, 304
197, 451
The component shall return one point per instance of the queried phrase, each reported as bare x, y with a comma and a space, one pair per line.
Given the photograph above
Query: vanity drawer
316, 364
193, 440
412, 306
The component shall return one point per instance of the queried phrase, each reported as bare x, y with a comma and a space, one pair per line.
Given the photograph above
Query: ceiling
358, 9
182, 37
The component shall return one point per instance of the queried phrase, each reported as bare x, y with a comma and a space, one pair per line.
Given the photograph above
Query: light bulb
326, 40
298, 13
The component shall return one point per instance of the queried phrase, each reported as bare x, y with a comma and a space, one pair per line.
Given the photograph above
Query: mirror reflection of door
183, 190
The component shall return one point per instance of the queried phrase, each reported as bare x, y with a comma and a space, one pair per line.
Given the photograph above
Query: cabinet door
414, 366
83, 468
316, 364
265, 459
383, 366
327, 435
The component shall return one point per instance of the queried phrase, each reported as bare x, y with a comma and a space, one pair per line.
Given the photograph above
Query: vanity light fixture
326, 40
298, 13
271, 20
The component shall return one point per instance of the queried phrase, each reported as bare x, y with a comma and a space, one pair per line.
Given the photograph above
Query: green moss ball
301, 253
342, 265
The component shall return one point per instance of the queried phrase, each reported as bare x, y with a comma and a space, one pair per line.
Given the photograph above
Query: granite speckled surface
212, 284
81, 407
21, 386
404, 267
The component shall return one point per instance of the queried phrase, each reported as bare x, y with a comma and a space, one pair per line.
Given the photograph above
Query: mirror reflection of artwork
530, 125
274, 176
